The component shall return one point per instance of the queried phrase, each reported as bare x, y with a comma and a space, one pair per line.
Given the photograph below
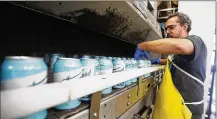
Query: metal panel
127, 22
107, 110
133, 110
144, 101
139, 91
118, 106
107, 107
122, 103
95, 105
81, 115
133, 96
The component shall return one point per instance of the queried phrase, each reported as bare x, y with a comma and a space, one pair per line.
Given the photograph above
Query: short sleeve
198, 48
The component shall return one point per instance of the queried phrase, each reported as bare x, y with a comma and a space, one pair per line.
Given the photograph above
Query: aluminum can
66, 69
106, 67
119, 66
22, 71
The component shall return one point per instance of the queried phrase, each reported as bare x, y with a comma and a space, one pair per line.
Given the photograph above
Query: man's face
173, 28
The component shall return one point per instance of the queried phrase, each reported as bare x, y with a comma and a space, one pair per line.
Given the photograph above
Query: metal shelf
18, 103
137, 24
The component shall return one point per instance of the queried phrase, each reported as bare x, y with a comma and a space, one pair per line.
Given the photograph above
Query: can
23, 71
53, 59
119, 66
124, 58
128, 67
75, 56
88, 67
141, 63
96, 57
110, 58
106, 67
62, 55
134, 67
47, 58
86, 56
113, 58
148, 63
66, 69
96, 67
103, 57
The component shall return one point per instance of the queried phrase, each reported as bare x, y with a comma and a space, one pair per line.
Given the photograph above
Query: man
190, 54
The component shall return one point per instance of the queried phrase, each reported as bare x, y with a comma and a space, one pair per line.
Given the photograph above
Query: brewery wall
26, 32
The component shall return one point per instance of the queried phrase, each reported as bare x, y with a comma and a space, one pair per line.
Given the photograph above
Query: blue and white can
47, 58
103, 57
134, 67
106, 67
141, 63
53, 59
66, 69
119, 66
61, 55
96, 57
88, 67
86, 56
110, 58
124, 58
148, 64
75, 56
96, 67
23, 71
128, 67
114, 58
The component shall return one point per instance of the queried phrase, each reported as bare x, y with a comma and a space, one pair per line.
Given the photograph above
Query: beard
169, 36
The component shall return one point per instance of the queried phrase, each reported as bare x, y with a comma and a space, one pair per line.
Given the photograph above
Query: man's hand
155, 61
140, 53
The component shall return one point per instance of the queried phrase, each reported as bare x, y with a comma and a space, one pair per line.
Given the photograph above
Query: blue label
16, 68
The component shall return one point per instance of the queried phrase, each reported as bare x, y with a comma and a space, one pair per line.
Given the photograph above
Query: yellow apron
169, 103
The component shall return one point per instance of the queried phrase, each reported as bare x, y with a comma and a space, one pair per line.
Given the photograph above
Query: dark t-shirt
194, 64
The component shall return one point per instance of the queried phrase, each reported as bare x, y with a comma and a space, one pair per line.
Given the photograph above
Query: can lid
66, 58
23, 57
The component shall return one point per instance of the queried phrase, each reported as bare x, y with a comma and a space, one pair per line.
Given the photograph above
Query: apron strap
194, 103
193, 77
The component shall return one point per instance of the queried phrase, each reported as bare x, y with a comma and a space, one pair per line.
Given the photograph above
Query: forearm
166, 46
163, 61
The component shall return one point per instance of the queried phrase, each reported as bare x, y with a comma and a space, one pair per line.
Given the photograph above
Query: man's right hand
155, 61
140, 53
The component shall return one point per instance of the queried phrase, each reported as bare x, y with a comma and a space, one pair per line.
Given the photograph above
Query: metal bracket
95, 105
139, 86
145, 114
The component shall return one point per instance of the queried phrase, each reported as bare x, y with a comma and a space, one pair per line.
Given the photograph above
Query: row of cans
24, 71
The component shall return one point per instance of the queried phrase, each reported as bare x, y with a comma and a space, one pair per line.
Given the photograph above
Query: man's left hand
140, 53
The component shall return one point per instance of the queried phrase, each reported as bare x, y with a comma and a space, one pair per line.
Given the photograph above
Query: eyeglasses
171, 27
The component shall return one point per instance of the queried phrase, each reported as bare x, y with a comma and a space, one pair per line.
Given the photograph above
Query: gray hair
183, 19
